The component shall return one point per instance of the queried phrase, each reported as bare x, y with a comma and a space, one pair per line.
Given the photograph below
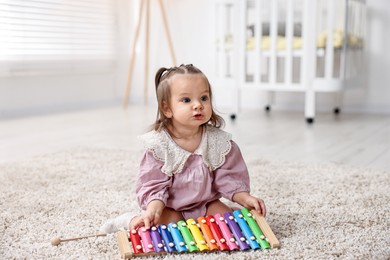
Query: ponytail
159, 74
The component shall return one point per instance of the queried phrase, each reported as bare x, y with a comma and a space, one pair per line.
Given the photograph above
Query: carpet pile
317, 211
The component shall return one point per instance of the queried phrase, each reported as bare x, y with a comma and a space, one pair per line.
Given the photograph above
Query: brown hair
163, 94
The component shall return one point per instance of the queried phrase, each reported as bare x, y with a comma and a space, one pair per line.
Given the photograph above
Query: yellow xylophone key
195, 231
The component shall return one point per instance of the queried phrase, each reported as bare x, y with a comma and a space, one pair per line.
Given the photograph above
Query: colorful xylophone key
135, 240
197, 234
167, 237
157, 240
240, 238
177, 238
221, 241
227, 234
185, 232
146, 240
207, 234
255, 229
246, 230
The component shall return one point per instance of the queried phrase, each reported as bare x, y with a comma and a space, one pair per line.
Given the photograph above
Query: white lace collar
213, 148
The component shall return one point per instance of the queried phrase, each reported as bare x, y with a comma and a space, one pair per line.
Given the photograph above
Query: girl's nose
198, 105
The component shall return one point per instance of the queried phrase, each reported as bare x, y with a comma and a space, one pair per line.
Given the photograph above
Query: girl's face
190, 104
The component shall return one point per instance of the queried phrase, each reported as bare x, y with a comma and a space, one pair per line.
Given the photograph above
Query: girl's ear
166, 110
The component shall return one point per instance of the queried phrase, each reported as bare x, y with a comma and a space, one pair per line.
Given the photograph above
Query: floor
353, 139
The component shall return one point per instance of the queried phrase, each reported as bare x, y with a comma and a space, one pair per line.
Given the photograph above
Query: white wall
376, 97
191, 26
36, 93
42, 94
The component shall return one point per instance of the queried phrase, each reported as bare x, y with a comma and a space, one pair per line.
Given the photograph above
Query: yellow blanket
297, 43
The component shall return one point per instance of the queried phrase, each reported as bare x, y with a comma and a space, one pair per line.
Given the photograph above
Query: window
55, 35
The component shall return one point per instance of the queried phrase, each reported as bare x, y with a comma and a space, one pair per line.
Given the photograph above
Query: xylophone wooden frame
127, 253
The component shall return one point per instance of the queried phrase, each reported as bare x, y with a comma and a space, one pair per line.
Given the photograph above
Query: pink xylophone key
227, 234
146, 240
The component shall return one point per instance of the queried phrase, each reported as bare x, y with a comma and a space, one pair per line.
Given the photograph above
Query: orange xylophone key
207, 234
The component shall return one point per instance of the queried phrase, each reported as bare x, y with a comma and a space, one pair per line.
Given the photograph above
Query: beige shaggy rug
317, 211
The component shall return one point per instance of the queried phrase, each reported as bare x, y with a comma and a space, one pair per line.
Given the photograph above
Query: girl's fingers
147, 223
137, 224
263, 209
156, 218
257, 206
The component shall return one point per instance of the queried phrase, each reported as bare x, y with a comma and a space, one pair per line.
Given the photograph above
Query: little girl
189, 163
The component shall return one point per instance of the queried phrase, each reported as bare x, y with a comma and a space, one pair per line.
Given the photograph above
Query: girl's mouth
198, 116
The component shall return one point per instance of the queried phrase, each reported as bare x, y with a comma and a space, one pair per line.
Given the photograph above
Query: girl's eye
204, 98
186, 100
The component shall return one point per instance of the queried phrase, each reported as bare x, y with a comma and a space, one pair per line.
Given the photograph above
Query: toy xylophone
232, 231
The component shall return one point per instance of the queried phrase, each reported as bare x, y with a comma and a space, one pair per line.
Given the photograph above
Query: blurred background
58, 56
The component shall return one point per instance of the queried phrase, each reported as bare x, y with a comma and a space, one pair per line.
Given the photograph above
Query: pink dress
186, 181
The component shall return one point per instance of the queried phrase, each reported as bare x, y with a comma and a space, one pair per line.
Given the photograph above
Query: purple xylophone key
156, 239
241, 240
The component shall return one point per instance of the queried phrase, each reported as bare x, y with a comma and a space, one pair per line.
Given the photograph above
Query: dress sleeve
152, 184
232, 176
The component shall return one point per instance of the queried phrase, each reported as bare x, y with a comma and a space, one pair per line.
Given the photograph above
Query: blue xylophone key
177, 238
168, 240
246, 230
156, 239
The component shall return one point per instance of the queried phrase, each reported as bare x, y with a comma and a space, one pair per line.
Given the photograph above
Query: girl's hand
256, 204
147, 219
250, 202
150, 217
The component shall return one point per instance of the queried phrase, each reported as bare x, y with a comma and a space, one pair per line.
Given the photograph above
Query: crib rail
289, 45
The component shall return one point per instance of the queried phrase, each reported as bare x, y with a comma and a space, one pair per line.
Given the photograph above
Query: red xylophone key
221, 242
135, 240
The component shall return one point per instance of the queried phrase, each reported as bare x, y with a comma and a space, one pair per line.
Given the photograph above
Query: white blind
57, 30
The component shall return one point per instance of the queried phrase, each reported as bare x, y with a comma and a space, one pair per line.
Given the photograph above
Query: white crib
305, 46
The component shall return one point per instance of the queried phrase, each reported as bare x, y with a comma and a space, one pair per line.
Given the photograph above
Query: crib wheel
310, 120
336, 110
267, 108
233, 116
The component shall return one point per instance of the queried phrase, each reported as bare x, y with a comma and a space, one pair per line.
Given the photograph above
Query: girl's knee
169, 215
217, 206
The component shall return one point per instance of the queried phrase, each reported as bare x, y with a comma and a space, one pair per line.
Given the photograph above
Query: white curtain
38, 36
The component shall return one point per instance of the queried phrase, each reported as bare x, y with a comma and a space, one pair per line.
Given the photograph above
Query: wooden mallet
55, 241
